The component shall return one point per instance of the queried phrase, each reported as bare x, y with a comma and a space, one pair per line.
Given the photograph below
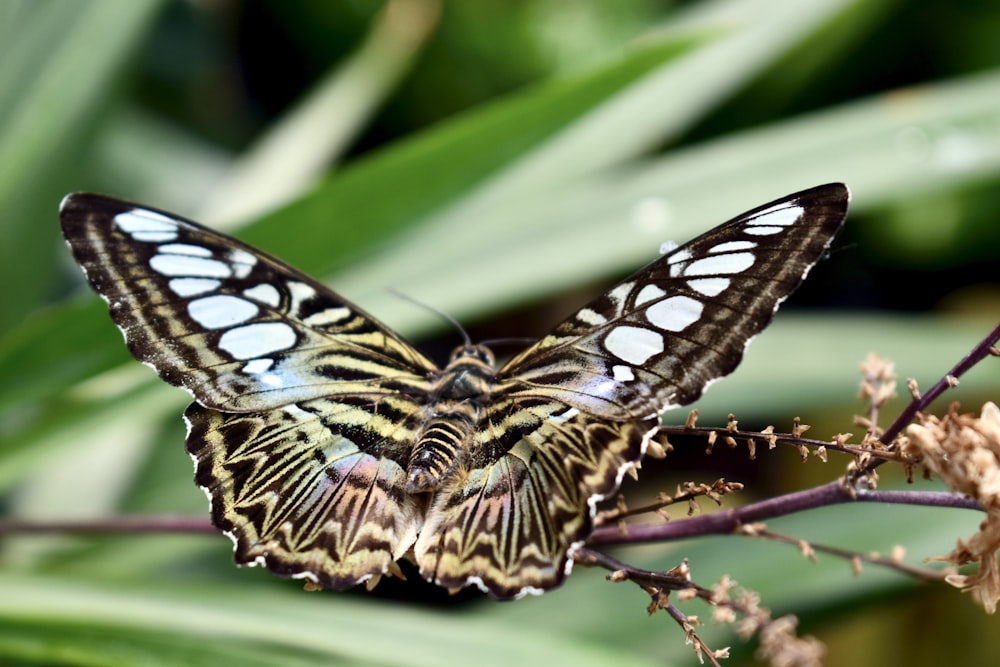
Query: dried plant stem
728, 521
808, 548
982, 349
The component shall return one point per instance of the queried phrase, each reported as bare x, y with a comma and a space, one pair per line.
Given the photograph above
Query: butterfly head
474, 354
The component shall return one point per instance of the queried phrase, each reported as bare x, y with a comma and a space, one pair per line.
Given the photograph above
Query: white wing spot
674, 314
763, 230
185, 287
264, 293
563, 416
733, 246
257, 366
325, 318
221, 310
623, 373
647, 294
679, 256
731, 263
781, 215
619, 294
184, 249
143, 225
257, 340
242, 261
709, 286
272, 380
299, 293
634, 345
591, 317
187, 266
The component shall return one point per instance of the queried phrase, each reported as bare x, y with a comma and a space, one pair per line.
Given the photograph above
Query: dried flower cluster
964, 451
779, 644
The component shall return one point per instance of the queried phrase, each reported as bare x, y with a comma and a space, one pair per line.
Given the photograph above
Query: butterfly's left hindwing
329, 448
302, 490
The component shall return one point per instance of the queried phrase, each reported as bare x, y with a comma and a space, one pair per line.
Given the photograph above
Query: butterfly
330, 448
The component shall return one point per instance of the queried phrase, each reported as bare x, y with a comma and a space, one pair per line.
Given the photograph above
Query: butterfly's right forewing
660, 337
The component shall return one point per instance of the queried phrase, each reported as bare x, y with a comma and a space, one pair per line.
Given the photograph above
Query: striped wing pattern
329, 448
660, 337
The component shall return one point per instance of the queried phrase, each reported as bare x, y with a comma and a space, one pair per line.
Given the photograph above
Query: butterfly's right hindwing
238, 329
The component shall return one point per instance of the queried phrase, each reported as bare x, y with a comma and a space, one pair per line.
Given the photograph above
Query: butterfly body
329, 448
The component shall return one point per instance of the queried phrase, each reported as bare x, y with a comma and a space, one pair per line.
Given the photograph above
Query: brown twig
855, 557
728, 521
980, 351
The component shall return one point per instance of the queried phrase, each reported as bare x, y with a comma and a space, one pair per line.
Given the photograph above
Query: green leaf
486, 152
60, 61
304, 627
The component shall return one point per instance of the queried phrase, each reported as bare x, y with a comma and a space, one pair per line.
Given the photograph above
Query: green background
500, 161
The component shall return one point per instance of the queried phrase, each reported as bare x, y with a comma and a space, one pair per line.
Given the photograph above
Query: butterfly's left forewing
235, 327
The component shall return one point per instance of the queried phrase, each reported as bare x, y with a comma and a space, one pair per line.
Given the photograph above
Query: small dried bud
687, 594
842, 439
656, 450
770, 437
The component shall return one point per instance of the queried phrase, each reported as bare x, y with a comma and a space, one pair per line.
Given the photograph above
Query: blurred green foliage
492, 159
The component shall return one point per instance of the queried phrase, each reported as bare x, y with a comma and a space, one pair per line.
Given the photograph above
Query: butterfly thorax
459, 394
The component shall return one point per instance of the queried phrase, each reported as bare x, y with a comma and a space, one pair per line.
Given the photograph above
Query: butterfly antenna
440, 313
523, 341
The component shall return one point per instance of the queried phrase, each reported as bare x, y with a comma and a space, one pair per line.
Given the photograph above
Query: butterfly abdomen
460, 391
437, 453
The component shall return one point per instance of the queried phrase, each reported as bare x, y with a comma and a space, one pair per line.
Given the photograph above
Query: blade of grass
293, 154
614, 222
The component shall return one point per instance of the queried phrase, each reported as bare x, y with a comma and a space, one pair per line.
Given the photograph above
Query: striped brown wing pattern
315, 490
659, 338
233, 326
329, 448
507, 524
